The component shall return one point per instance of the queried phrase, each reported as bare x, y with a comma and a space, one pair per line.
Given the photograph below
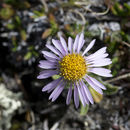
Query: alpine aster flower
74, 68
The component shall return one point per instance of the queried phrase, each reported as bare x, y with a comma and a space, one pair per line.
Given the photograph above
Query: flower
74, 68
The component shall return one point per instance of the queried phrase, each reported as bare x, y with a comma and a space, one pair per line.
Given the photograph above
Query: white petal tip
82, 34
39, 77
43, 90
94, 40
50, 98
42, 52
92, 102
105, 47
53, 100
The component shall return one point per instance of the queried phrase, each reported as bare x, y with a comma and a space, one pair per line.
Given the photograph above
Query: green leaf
10, 26
110, 89
119, 8
114, 11
14, 49
6, 13
23, 35
28, 56
35, 53
18, 20
84, 110
55, 77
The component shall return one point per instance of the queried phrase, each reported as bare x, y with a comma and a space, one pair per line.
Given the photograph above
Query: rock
9, 102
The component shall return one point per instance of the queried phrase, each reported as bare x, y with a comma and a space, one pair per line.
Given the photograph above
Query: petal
63, 42
69, 95
98, 53
82, 45
47, 73
95, 87
50, 59
70, 44
97, 83
99, 60
88, 94
81, 39
48, 91
75, 43
57, 91
102, 62
76, 96
58, 45
100, 71
81, 95
101, 51
85, 96
96, 57
54, 50
49, 54
89, 47
42, 61
47, 65
51, 85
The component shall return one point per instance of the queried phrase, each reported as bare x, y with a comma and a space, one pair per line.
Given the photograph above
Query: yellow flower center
73, 67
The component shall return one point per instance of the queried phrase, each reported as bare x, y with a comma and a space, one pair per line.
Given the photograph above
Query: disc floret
73, 67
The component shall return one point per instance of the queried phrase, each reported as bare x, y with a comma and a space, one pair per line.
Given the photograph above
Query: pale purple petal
89, 47
76, 96
47, 65
82, 45
94, 86
99, 60
51, 55
58, 45
51, 85
75, 43
70, 44
100, 71
53, 49
81, 39
49, 90
97, 83
57, 91
98, 53
96, 57
101, 51
88, 94
50, 59
69, 95
63, 42
47, 73
102, 62
85, 96
53, 62
81, 95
